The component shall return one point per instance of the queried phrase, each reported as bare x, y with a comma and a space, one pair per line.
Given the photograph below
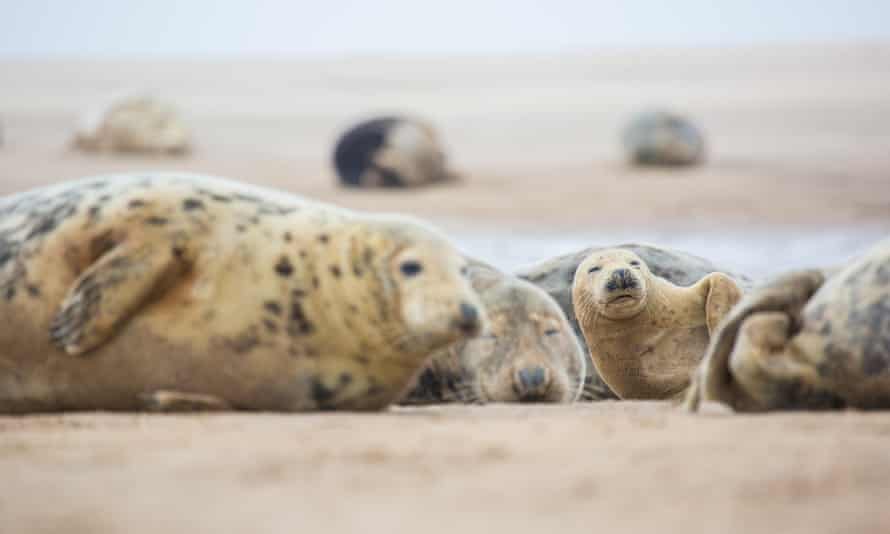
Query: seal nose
621, 279
469, 322
532, 383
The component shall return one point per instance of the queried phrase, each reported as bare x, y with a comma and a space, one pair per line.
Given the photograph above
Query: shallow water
757, 253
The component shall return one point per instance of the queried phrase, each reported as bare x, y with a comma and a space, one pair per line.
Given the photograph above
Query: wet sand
798, 173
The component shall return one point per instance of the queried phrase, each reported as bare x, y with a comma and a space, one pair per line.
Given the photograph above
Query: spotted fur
528, 334
117, 287
808, 340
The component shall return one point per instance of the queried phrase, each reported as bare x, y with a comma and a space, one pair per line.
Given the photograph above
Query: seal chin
624, 305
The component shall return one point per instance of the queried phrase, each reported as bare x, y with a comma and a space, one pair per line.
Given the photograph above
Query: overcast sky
138, 28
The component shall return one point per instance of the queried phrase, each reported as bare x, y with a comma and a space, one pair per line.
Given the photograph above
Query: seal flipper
176, 401
722, 293
111, 291
713, 379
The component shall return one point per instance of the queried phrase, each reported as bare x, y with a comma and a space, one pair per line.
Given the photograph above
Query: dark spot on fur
315, 282
33, 290
157, 221
353, 308
299, 323
345, 378
93, 212
272, 307
270, 325
369, 255
288, 237
9, 294
364, 360
358, 271
136, 203
246, 342
298, 293
220, 198
240, 228
284, 267
254, 220
191, 204
322, 395
101, 244
324, 238
335, 270
303, 254
178, 252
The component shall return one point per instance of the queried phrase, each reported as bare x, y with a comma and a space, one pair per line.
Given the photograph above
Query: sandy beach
798, 174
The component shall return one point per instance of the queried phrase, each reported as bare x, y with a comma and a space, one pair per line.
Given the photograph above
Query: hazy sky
341, 27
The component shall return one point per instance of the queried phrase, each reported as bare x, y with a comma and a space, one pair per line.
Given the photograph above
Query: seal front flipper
111, 290
176, 401
721, 294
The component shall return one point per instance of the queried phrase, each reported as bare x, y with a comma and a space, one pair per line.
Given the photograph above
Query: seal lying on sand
661, 138
645, 334
804, 342
556, 276
390, 152
138, 124
529, 354
117, 289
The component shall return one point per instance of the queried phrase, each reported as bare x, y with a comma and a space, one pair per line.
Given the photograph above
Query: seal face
134, 123
119, 287
528, 354
808, 340
390, 152
663, 138
556, 277
646, 335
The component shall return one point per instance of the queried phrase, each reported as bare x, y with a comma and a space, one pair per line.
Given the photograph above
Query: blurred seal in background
660, 138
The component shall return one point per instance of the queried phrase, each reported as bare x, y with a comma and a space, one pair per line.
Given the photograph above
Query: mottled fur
556, 276
528, 334
660, 138
140, 124
390, 152
809, 340
645, 334
115, 288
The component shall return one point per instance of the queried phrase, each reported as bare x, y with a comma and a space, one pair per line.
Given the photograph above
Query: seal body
809, 340
662, 138
529, 354
646, 335
115, 288
556, 277
136, 124
390, 152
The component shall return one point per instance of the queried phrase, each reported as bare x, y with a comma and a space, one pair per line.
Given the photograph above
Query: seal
660, 138
134, 124
529, 354
645, 334
122, 292
556, 276
809, 340
390, 152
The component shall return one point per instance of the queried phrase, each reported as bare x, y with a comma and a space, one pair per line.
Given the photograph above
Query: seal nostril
532, 384
469, 318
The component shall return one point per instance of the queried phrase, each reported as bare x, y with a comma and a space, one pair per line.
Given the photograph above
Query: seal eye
411, 268
635, 263
593, 269
551, 332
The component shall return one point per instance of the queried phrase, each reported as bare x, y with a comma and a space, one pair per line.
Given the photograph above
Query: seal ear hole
635, 263
411, 268
594, 269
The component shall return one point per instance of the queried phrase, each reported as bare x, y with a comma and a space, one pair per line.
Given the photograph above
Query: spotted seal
119, 292
390, 152
809, 340
663, 138
529, 354
134, 123
646, 335
556, 276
